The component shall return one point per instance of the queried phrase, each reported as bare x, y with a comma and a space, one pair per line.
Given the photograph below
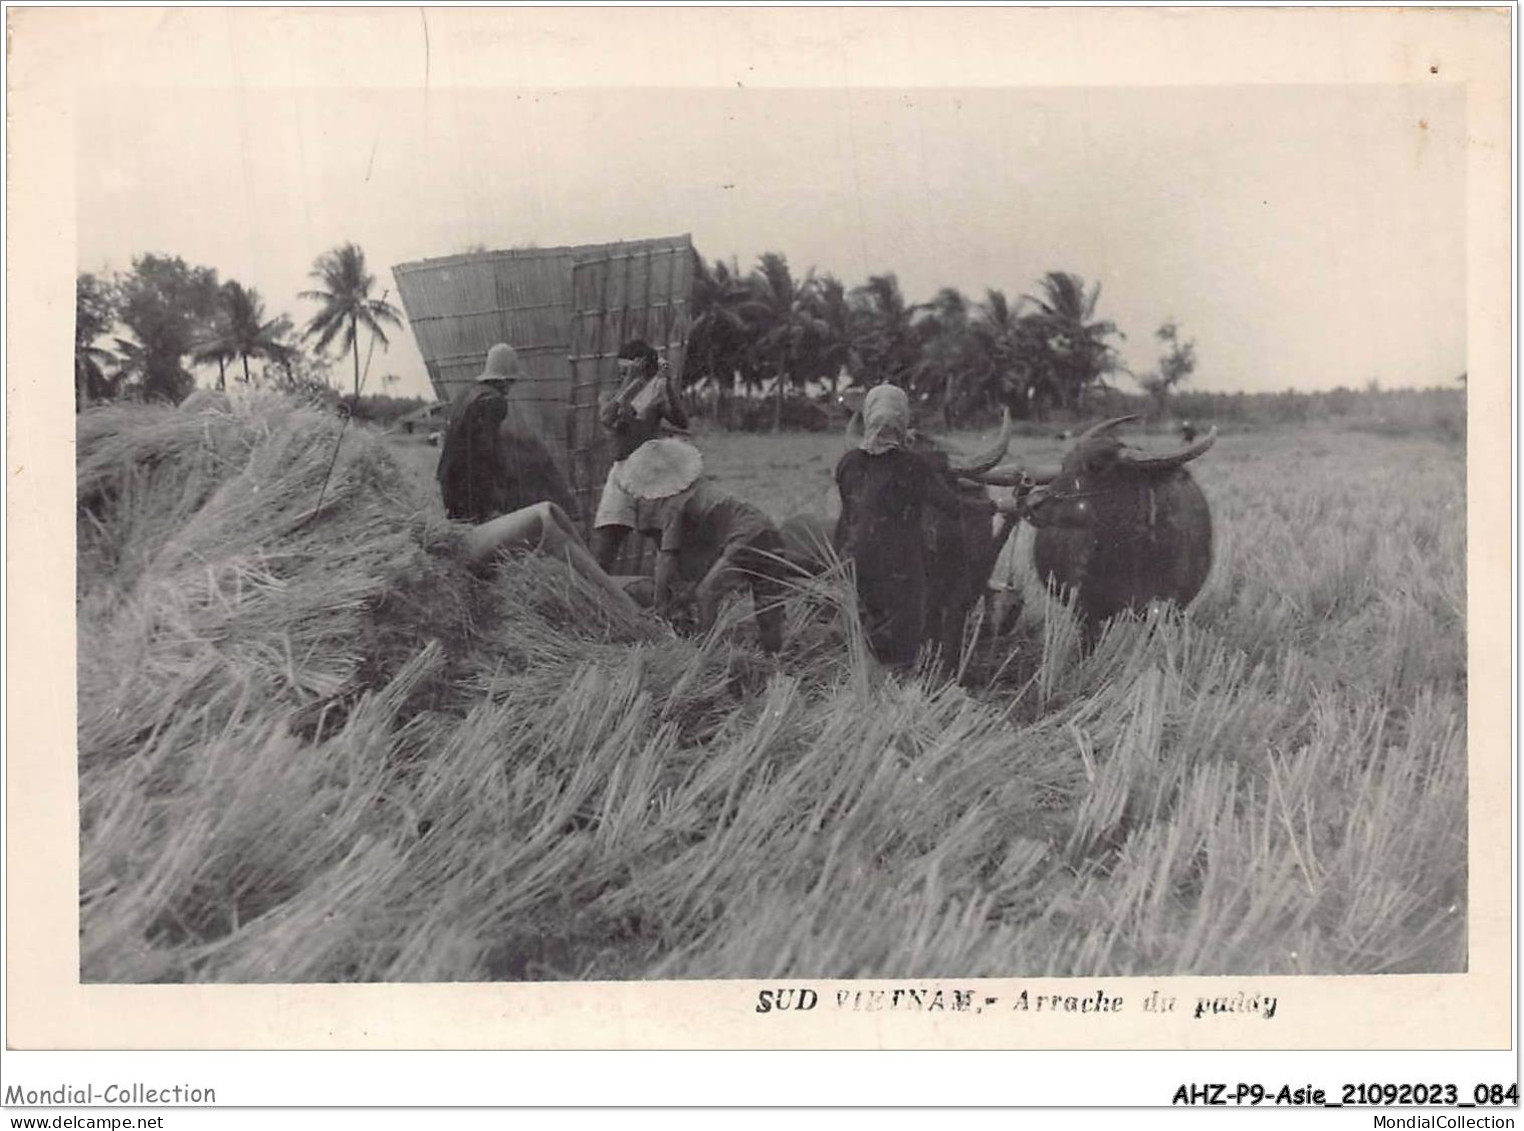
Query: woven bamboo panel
643, 294
460, 306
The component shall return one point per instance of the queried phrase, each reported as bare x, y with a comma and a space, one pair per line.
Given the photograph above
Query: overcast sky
1305, 237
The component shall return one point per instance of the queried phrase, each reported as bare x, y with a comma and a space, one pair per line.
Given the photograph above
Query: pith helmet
502, 364
659, 469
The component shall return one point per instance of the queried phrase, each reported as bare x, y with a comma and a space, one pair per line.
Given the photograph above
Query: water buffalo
957, 551
1118, 527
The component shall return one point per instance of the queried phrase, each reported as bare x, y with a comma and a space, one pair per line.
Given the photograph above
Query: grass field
312, 748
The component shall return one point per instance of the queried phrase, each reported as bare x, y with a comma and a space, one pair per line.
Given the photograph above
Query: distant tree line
1439, 411
762, 339
765, 330
137, 334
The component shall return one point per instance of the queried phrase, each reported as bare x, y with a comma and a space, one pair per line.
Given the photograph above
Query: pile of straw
250, 592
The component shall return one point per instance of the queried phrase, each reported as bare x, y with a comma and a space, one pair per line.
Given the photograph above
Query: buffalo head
1119, 527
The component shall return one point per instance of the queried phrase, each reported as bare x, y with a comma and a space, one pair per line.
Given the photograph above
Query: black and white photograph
804, 534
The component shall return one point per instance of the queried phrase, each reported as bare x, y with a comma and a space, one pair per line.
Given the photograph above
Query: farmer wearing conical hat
647, 399
488, 467
708, 538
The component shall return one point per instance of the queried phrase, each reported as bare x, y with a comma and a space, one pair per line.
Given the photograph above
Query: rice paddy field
312, 747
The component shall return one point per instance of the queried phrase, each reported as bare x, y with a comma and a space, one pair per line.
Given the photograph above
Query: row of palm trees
766, 331
171, 312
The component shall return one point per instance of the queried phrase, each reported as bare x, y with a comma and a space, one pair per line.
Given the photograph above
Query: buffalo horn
1013, 475
1096, 429
1168, 459
983, 462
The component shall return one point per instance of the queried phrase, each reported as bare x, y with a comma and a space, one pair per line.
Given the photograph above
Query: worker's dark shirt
492, 463
701, 522
881, 501
883, 531
468, 469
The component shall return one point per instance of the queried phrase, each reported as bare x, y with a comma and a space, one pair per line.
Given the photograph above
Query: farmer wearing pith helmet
481, 474
468, 462
708, 538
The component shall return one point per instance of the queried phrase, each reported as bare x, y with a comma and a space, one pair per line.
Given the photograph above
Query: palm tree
240, 332
946, 348
94, 313
281, 346
827, 301
885, 335
90, 380
250, 334
717, 334
134, 362
783, 325
1003, 355
217, 346
1079, 352
347, 304
149, 369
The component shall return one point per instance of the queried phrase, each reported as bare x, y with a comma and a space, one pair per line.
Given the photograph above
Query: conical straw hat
661, 468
